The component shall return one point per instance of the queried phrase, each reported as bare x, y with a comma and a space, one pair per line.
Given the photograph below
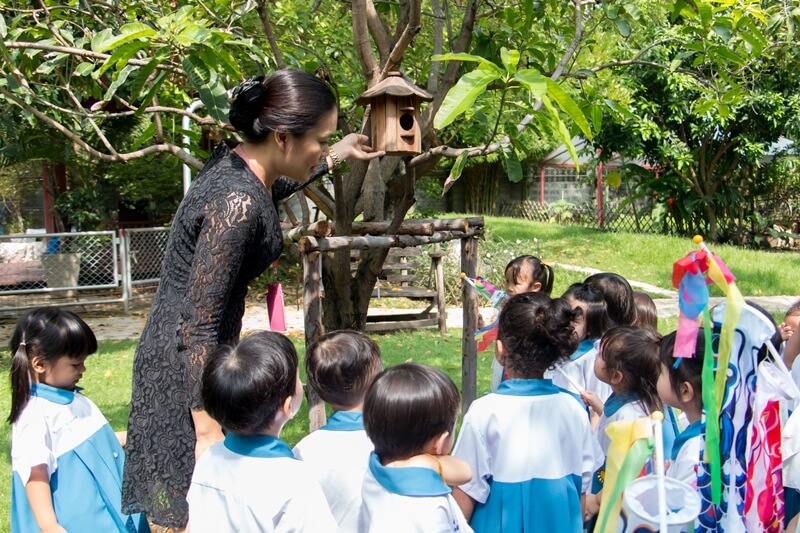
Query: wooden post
438, 273
469, 347
312, 311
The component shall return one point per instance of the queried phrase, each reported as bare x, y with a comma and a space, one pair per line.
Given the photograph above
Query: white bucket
640, 505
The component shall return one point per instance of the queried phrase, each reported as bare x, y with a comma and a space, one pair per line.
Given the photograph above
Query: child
410, 415
525, 273
629, 362
341, 366
646, 312
577, 373
681, 387
529, 444
251, 481
618, 295
66, 460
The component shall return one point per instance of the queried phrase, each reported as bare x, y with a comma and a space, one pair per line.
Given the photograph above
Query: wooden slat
401, 317
395, 326
415, 293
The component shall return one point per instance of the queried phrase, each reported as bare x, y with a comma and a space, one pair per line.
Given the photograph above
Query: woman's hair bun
247, 100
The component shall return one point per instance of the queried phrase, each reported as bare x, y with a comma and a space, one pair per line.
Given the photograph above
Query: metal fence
79, 269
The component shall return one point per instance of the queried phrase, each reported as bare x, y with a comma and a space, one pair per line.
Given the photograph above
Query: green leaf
597, 116
623, 26
84, 69
3, 27
139, 82
613, 179
511, 163
455, 172
485, 63
568, 105
128, 32
119, 58
704, 106
463, 95
585, 73
724, 53
755, 44
562, 130
706, 13
723, 29
148, 133
147, 98
122, 76
533, 81
510, 59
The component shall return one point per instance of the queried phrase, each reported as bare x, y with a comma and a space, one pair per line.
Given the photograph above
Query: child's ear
37, 364
499, 352
686, 392
616, 377
438, 445
536, 287
286, 408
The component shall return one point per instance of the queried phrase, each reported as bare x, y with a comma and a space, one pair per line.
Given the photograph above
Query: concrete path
109, 326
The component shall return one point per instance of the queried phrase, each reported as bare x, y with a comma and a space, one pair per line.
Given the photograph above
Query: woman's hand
353, 147
207, 432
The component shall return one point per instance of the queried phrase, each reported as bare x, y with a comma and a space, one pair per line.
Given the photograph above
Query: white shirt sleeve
31, 443
308, 512
472, 448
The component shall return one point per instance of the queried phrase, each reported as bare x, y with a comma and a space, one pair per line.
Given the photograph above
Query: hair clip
250, 91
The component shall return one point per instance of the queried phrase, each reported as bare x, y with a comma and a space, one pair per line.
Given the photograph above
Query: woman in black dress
225, 233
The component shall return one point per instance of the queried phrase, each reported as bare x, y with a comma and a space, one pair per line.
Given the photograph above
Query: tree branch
273, 44
175, 150
81, 53
361, 42
378, 30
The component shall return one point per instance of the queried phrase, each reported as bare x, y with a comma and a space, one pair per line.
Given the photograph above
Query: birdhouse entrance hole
407, 121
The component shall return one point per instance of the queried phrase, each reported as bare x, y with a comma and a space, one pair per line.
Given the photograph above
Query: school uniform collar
584, 347
407, 481
345, 421
692, 430
527, 387
616, 401
262, 446
53, 394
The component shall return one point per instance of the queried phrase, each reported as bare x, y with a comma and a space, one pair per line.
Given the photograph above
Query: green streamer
713, 409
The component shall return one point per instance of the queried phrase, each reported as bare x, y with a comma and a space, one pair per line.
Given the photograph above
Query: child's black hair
690, 369
646, 312
596, 315
244, 386
794, 310
634, 352
536, 332
540, 271
406, 407
48, 333
341, 366
618, 295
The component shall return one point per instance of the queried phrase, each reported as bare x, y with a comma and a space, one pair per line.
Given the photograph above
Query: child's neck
693, 414
515, 375
352, 409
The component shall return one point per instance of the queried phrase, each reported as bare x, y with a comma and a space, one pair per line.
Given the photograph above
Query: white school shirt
686, 454
66, 432
617, 407
407, 500
532, 454
338, 453
253, 483
580, 370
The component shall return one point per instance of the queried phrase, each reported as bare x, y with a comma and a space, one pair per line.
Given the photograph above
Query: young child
526, 273
681, 387
529, 444
646, 312
628, 361
66, 460
251, 481
341, 366
577, 373
618, 295
410, 415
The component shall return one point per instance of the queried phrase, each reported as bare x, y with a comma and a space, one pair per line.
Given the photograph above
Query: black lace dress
225, 233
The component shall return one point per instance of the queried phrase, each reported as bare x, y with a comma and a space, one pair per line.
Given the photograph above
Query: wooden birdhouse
395, 105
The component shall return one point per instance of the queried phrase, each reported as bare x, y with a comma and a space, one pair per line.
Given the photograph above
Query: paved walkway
120, 327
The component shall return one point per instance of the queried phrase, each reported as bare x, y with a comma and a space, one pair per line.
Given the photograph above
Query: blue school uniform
408, 499
532, 453
254, 483
67, 433
338, 453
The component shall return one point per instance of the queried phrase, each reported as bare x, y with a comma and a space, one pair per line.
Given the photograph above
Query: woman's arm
40, 498
792, 348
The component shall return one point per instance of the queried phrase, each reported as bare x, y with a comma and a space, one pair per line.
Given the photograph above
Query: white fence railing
84, 268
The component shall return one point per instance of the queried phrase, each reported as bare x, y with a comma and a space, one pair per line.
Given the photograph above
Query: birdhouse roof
395, 85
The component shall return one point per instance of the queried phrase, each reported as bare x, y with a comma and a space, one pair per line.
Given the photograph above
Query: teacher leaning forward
225, 233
